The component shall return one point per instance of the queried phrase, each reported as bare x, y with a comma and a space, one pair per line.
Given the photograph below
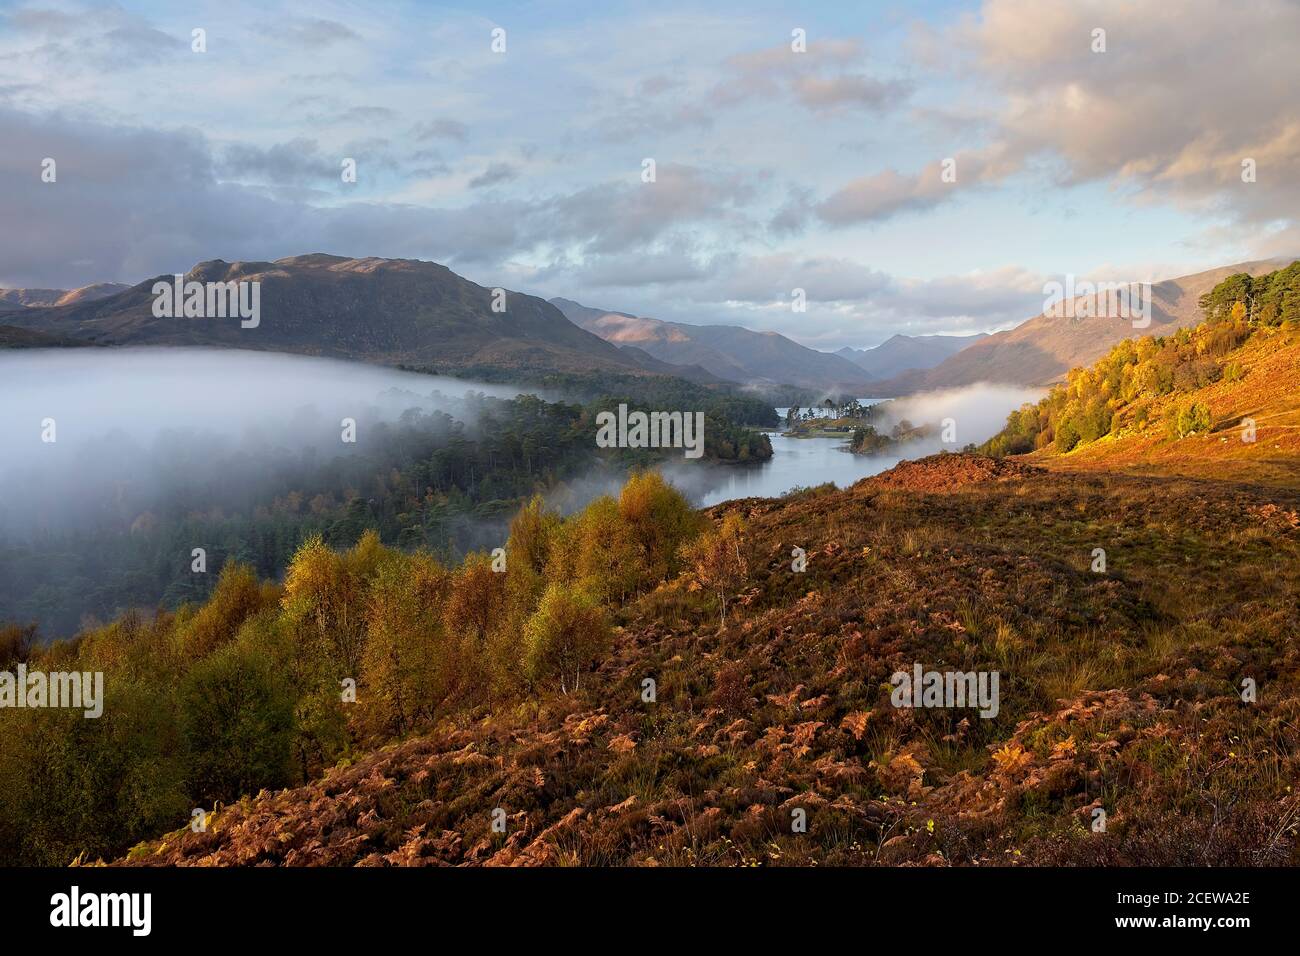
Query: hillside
1042, 349
727, 351
1268, 393
901, 353
395, 311
49, 297
1120, 692
12, 337
646, 685
1218, 399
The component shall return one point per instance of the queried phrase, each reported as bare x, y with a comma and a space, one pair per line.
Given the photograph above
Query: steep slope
1219, 399
1119, 692
901, 353
398, 311
1042, 349
1267, 393
728, 351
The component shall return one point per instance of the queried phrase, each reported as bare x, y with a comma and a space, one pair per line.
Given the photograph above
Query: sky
920, 167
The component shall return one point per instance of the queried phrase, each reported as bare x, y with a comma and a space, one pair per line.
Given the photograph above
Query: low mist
134, 426
978, 412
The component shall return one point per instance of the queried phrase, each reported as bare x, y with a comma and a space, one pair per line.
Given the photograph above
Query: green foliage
1269, 300
1188, 418
236, 718
566, 636
404, 669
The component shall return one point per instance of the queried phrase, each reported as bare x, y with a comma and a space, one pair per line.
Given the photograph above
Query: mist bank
975, 412
93, 437
123, 465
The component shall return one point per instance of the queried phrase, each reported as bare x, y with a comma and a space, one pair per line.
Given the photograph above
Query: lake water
978, 412
796, 462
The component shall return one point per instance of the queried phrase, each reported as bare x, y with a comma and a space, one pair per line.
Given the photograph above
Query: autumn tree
237, 722
601, 555
565, 636
659, 520
403, 676
325, 592
716, 561
238, 595
531, 533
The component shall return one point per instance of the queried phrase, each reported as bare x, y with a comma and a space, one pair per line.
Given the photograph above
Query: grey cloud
494, 175
441, 129
613, 217
133, 203
294, 162
315, 33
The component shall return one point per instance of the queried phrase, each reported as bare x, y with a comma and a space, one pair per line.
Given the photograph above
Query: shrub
237, 722
660, 521
565, 636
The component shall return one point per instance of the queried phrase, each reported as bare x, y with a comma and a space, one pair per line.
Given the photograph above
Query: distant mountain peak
730, 352
1042, 349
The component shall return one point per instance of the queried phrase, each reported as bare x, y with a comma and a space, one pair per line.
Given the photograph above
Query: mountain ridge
392, 311
1043, 348
728, 351
901, 353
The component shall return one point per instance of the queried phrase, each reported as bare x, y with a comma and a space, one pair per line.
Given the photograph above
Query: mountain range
392, 311
22, 298
412, 312
901, 353
728, 351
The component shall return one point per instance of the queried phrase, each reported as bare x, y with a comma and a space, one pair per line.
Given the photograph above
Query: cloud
130, 203
822, 78
294, 162
494, 175
616, 216
315, 33
1169, 111
888, 193
440, 129
848, 303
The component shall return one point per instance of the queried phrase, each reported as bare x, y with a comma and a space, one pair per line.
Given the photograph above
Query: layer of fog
134, 425
138, 426
978, 412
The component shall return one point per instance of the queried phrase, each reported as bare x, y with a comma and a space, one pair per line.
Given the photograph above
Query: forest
266, 684
444, 478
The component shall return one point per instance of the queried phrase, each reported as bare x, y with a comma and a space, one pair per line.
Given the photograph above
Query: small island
857, 423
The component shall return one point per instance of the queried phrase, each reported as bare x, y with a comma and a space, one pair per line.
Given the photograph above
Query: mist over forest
120, 463
189, 429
